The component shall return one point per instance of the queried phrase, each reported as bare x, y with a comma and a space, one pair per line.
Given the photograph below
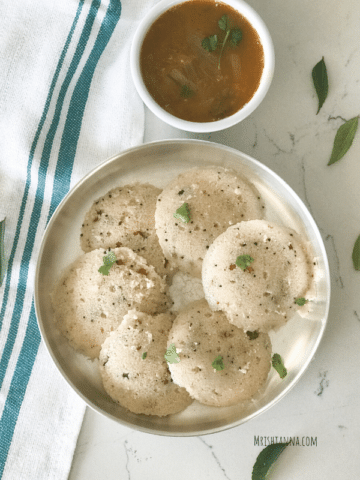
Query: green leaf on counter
343, 139
144, 355
265, 460
321, 84
2, 251
279, 366
356, 254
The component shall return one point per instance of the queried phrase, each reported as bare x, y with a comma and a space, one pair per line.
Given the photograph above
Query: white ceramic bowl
158, 163
269, 61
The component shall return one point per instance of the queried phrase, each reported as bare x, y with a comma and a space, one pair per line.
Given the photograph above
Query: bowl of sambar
201, 65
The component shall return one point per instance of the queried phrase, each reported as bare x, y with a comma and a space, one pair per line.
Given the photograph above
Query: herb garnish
212, 42
279, 366
265, 459
2, 251
301, 301
186, 91
243, 261
183, 213
320, 79
252, 335
343, 139
144, 355
356, 254
218, 363
171, 356
109, 261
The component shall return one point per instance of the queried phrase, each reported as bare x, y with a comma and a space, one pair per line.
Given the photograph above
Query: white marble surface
285, 134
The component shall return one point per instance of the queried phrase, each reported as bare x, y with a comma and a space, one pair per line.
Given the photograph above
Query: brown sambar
184, 78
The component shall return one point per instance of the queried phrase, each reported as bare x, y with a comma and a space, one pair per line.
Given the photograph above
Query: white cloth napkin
67, 103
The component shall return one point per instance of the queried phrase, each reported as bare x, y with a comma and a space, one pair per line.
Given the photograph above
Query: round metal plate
157, 163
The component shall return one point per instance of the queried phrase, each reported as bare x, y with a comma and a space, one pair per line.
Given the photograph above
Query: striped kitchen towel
67, 103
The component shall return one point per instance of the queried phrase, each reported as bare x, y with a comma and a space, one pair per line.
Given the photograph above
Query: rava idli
255, 272
205, 201
134, 370
89, 304
220, 364
124, 217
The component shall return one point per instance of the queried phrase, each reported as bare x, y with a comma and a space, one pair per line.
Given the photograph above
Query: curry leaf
265, 460
2, 251
321, 84
356, 254
343, 139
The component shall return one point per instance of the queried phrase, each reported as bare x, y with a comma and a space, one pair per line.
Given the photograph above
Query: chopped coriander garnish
252, 335
144, 355
236, 36
244, 261
218, 363
211, 43
183, 213
279, 366
186, 91
301, 301
171, 356
224, 23
109, 261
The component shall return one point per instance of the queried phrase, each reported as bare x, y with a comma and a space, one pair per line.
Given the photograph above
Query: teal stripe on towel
18, 386
68, 147
30, 162
77, 106
39, 196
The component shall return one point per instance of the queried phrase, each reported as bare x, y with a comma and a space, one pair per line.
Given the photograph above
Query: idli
254, 272
134, 370
124, 217
196, 207
220, 364
89, 304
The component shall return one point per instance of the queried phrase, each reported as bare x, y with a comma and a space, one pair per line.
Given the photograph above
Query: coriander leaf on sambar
210, 43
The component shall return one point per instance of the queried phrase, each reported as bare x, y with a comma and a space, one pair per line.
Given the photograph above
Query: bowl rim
249, 159
202, 127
